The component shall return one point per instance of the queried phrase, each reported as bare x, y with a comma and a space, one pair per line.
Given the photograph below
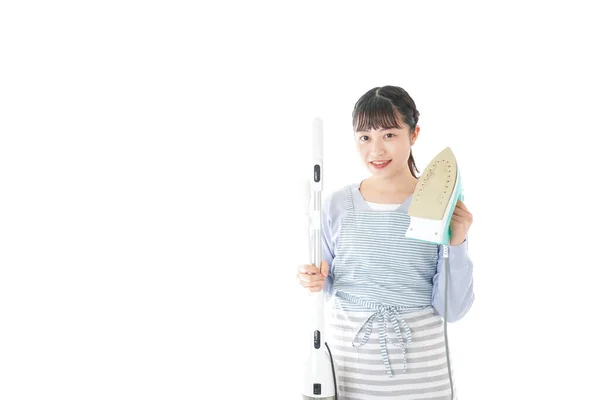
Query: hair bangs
375, 112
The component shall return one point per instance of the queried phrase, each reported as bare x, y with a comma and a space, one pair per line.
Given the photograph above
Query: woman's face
390, 146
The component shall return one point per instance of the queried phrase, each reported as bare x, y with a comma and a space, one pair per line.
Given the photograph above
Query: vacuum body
319, 374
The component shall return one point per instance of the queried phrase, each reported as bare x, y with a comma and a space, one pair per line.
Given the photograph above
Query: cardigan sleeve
460, 282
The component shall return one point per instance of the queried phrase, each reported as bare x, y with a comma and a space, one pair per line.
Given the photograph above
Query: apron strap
349, 200
384, 314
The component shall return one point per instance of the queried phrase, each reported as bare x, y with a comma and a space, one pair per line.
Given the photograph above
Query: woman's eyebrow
381, 129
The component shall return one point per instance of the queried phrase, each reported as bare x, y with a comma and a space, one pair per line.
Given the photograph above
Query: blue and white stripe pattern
384, 314
420, 370
384, 282
376, 262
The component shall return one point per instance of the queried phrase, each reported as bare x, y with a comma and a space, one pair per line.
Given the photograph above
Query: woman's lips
380, 166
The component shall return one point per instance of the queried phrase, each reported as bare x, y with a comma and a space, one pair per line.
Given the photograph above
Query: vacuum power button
316, 388
317, 339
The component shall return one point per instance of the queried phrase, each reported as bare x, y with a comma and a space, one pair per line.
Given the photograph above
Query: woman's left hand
460, 224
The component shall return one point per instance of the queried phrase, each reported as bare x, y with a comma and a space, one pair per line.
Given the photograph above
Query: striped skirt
420, 372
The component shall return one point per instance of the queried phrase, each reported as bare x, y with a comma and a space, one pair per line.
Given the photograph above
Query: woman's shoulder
336, 201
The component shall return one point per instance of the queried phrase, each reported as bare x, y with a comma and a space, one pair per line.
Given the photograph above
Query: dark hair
381, 107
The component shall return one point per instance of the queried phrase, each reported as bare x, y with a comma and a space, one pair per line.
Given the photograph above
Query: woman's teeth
380, 164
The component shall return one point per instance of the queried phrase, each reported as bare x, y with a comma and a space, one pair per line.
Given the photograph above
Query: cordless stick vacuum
436, 194
319, 376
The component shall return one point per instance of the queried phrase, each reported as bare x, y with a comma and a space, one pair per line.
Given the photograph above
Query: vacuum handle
317, 178
317, 187
318, 139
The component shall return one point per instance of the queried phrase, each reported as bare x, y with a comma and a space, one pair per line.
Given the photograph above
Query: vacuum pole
319, 380
316, 224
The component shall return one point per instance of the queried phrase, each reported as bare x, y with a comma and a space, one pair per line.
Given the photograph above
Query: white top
383, 207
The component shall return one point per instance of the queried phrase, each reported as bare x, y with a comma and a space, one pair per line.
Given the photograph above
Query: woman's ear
414, 135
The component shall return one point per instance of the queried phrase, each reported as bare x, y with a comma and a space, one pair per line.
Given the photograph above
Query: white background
151, 156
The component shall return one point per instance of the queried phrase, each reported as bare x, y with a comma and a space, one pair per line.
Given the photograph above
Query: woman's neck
392, 190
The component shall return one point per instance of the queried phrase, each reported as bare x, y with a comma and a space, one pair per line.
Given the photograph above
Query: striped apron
385, 337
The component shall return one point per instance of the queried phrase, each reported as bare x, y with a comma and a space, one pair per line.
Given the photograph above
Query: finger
308, 269
460, 209
311, 284
311, 278
461, 213
460, 218
315, 289
458, 221
462, 206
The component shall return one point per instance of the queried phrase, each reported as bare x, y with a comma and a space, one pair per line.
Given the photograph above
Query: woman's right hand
311, 277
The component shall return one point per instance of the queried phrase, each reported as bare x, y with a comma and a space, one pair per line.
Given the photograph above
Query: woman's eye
362, 138
390, 134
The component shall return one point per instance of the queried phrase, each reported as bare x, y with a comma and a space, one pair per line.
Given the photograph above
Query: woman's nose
377, 149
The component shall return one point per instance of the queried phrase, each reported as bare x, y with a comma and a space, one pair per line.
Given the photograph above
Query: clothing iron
434, 200
319, 376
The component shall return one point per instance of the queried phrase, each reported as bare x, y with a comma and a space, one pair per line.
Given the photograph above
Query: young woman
386, 334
